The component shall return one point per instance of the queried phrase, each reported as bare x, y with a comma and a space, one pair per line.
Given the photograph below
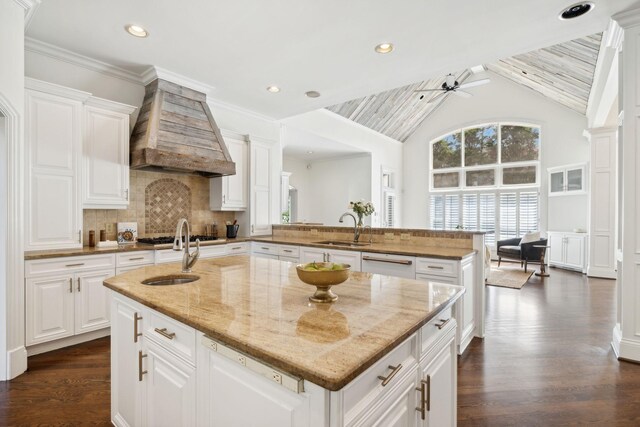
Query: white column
602, 203
626, 334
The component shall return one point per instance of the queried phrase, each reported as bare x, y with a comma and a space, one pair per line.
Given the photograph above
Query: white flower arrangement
362, 209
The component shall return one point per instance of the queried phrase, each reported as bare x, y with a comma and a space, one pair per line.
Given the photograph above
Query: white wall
385, 152
325, 187
12, 354
502, 100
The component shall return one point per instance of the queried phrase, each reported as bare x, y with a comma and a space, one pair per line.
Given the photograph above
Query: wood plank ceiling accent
563, 73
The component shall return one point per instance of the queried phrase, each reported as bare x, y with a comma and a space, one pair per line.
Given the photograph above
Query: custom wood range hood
175, 132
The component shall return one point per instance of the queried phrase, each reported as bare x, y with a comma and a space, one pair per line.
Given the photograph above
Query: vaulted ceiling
562, 72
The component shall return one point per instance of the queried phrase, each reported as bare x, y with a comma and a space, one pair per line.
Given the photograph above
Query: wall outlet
389, 236
405, 236
314, 231
276, 377
242, 360
110, 228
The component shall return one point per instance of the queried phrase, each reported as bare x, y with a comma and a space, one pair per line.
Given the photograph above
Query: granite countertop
260, 307
86, 250
396, 248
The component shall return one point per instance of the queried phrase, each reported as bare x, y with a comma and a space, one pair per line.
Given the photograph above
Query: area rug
508, 275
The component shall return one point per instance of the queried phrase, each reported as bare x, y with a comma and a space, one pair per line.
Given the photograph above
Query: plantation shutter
508, 215
470, 211
452, 211
528, 212
488, 217
437, 212
390, 209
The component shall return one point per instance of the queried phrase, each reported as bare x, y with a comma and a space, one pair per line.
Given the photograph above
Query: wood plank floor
546, 361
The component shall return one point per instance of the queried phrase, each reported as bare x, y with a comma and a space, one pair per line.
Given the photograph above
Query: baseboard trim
16, 362
66, 342
602, 273
625, 349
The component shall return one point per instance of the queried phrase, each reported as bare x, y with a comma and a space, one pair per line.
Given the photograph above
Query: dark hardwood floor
546, 361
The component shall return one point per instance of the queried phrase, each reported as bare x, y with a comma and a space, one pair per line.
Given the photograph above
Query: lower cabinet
438, 379
567, 250
329, 255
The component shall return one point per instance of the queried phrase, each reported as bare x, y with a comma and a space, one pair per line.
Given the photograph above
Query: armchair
524, 252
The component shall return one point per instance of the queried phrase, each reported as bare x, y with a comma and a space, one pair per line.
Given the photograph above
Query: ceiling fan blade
434, 98
474, 83
428, 90
461, 93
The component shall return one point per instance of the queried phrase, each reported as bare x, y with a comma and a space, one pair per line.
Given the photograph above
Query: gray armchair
525, 252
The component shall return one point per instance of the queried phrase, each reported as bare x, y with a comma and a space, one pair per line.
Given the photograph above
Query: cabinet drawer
435, 329
212, 251
237, 248
289, 259
289, 251
438, 267
168, 255
134, 258
439, 279
69, 264
367, 388
265, 248
173, 335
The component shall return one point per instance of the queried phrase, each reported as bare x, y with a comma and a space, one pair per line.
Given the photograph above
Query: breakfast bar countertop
260, 307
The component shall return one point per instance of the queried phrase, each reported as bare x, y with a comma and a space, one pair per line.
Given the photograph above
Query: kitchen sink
174, 279
342, 243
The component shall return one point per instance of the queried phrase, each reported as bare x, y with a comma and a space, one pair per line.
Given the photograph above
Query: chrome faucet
188, 259
356, 231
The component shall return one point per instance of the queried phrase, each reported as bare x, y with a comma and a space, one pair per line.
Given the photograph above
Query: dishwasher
390, 265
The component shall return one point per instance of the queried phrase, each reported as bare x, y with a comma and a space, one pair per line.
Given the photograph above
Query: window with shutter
487, 217
452, 211
528, 212
470, 211
437, 212
508, 215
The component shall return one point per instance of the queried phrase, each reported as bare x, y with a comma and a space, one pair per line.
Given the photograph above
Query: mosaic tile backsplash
157, 201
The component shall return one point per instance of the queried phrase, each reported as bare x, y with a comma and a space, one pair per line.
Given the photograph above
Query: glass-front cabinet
565, 180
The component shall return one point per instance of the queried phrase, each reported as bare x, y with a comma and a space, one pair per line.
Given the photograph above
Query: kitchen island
244, 346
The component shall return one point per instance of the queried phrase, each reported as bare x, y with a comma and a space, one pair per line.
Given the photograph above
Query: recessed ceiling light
312, 94
136, 30
309, 152
273, 89
384, 48
576, 10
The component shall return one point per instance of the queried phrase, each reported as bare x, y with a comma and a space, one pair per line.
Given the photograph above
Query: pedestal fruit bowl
323, 275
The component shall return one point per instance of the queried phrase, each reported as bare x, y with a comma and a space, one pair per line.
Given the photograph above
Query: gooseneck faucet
356, 231
188, 259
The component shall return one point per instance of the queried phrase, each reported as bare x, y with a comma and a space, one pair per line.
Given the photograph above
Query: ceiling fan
451, 85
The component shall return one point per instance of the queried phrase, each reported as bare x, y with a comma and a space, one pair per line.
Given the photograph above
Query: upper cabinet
260, 171
229, 193
106, 155
77, 152
565, 180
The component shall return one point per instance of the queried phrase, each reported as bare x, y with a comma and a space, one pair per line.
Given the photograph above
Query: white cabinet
260, 187
566, 180
399, 409
229, 193
439, 376
389, 265
330, 255
65, 297
288, 253
567, 250
106, 154
53, 145
284, 191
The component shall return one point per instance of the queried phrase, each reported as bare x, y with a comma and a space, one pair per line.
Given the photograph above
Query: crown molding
30, 7
55, 52
628, 18
155, 72
118, 107
614, 35
54, 89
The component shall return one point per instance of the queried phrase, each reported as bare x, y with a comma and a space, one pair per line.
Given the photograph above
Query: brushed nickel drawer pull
78, 284
444, 322
237, 248
70, 284
287, 250
136, 258
391, 261
140, 371
75, 265
164, 333
428, 401
435, 267
394, 371
263, 248
423, 399
136, 334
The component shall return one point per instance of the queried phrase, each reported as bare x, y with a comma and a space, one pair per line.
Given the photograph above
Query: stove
168, 240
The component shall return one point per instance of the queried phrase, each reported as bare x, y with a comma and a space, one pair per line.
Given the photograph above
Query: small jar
103, 235
92, 238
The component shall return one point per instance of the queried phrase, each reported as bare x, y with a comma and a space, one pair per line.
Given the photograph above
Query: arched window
486, 177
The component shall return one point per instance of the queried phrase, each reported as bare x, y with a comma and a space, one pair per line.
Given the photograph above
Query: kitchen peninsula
242, 345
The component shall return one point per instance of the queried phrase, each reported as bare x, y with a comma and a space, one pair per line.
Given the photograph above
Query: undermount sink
175, 279
341, 243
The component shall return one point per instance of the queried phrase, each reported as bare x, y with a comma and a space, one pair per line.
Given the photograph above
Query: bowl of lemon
323, 275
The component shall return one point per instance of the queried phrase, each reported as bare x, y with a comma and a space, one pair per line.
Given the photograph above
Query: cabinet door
52, 135
125, 388
556, 182
235, 186
399, 410
556, 248
260, 189
574, 251
312, 255
169, 389
49, 308
106, 159
441, 375
235, 396
346, 257
92, 304
575, 179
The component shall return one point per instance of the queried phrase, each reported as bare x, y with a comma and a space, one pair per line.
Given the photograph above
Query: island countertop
260, 307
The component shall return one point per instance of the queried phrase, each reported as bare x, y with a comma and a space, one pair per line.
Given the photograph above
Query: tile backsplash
157, 201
